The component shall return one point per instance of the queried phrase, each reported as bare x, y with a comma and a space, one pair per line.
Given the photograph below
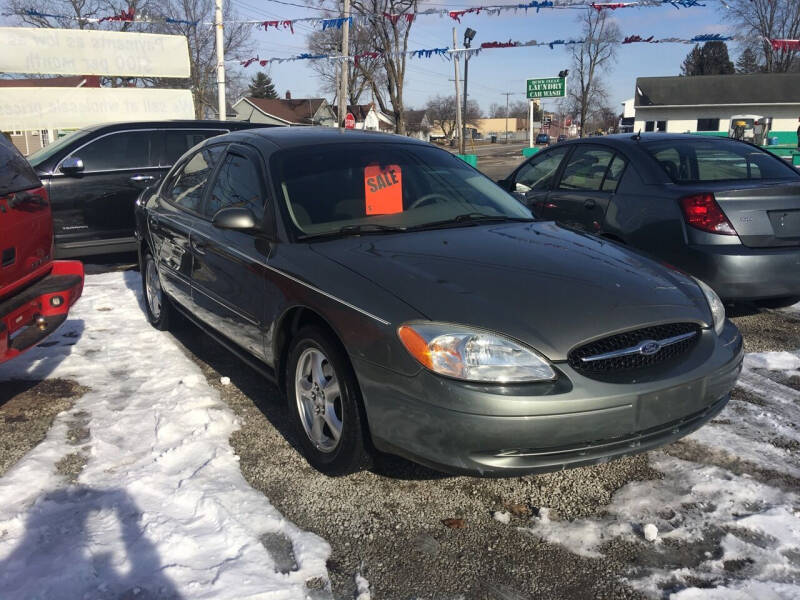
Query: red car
36, 292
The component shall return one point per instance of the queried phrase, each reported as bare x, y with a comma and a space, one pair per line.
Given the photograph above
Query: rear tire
779, 302
325, 405
156, 304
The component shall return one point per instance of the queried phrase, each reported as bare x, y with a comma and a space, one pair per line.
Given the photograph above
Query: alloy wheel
153, 290
319, 399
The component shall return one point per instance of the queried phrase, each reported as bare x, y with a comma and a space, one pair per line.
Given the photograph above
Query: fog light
41, 323
56, 301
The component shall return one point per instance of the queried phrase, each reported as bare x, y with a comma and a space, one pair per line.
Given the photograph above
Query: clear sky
496, 71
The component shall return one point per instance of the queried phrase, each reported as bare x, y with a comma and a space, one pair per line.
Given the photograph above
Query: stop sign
349, 121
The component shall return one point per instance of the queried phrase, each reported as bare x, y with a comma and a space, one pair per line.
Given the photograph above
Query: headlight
715, 304
464, 353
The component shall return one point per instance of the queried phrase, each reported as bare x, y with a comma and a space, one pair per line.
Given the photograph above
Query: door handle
550, 205
589, 204
143, 178
197, 247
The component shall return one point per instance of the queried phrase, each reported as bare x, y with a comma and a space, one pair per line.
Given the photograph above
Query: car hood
546, 286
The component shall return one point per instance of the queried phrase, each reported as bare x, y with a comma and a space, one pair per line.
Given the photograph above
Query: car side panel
169, 230
229, 283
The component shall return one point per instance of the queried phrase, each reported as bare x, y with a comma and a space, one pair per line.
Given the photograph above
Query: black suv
94, 175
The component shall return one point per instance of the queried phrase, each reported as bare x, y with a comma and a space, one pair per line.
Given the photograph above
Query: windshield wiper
354, 230
473, 218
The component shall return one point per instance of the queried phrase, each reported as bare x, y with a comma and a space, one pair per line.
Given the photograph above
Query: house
288, 112
706, 104
369, 117
30, 141
628, 117
418, 125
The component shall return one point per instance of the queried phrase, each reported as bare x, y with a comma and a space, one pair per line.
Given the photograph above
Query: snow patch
728, 507
650, 532
161, 508
362, 588
502, 516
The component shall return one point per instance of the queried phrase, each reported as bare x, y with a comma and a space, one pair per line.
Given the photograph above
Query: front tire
324, 404
156, 304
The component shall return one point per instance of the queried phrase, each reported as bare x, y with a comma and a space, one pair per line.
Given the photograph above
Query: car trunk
764, 214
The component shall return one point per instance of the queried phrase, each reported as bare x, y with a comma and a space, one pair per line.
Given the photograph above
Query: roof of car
292, 137
626, 139
174, 123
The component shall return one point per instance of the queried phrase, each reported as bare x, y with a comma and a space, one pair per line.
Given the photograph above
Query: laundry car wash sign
547, 87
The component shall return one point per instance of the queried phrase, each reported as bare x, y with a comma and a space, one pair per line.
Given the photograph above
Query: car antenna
637, 136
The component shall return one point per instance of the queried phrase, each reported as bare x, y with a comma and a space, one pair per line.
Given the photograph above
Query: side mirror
236, 218
72, 165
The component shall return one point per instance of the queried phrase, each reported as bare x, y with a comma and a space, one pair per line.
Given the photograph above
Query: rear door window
690, 161
187, 188
586, 168
16, 173
540, 172
179, 141
238, 184
121, 150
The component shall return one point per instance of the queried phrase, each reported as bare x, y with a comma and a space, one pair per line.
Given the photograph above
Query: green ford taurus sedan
406, 304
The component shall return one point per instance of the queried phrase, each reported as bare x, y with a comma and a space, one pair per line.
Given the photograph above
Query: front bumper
515, 430
737, 272
34, 312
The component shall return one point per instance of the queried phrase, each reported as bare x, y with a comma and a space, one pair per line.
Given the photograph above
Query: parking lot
724, 500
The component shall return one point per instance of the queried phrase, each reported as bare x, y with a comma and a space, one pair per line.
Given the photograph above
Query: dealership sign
91, 52
72, 108
547, 87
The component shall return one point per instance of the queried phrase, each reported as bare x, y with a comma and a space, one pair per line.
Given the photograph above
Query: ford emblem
649, 347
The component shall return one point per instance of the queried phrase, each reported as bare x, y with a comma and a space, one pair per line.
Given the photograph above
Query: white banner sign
91, 52
72, 108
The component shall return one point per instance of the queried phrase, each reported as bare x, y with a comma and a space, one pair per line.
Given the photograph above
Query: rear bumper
741, 273
34, 312
438, 422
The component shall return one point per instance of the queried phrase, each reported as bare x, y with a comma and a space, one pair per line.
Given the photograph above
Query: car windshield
42, 154
378, 187
692, 161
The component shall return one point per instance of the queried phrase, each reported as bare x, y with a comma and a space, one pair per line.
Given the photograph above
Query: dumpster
528, 152
470, 159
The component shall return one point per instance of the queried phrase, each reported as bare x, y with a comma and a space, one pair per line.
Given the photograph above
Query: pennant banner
130, 16
447, 53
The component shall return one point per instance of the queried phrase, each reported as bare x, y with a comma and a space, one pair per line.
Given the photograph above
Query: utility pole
458, 95
345, 64
507, 94
469, 35
220, 60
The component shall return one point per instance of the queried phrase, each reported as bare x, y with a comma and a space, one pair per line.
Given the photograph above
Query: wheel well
293, 321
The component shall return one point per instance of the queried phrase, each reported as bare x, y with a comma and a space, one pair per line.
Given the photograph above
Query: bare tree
589, 60
360, 75
761, 20
202, 51
442, 111
390, 39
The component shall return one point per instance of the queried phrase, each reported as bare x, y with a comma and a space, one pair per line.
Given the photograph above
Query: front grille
631, 339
